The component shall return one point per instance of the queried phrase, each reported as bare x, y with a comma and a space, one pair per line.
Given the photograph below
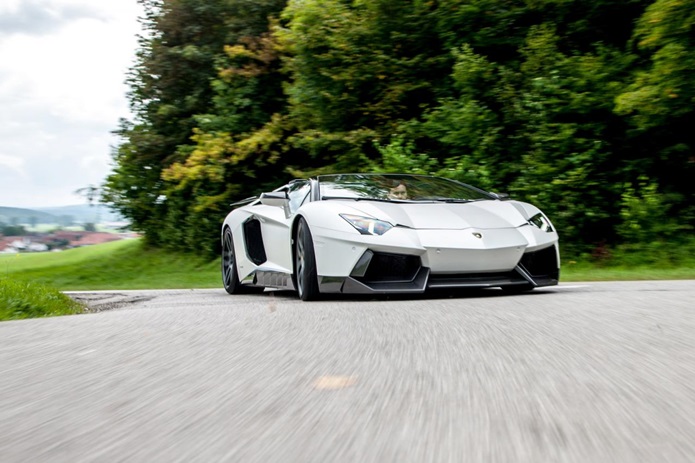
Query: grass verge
647, 261
21, 299
588, 272
125, 264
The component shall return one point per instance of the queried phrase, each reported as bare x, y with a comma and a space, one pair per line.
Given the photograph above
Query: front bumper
382, 273
412, 261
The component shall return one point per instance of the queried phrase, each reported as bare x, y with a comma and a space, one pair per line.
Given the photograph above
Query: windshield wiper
381, 200
447, 200
435, 199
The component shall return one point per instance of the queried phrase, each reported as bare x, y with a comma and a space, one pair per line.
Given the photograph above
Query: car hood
453, 216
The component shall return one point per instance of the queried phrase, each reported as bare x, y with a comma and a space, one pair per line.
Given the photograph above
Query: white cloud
62, 92
13, 163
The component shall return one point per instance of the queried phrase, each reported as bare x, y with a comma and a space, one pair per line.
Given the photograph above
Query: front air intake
541, 264
376, 267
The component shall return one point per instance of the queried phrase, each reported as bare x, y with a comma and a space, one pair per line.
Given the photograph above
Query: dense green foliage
22, 299
584, 108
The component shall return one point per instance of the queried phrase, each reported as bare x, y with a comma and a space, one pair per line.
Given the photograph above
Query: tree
659, 103
355, 70
13, 230
170, 86
534, 115
584, 108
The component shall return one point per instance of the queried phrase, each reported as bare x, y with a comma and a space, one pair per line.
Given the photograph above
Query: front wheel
305, 263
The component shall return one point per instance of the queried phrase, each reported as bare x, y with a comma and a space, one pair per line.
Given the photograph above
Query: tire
230, 276
305, 277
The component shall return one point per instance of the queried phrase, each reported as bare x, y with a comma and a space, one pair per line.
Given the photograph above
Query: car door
275, 225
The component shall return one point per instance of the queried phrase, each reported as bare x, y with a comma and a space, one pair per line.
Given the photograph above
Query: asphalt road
581, 372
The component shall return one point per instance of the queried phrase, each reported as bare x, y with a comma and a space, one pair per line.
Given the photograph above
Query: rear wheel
305, 263
230, 276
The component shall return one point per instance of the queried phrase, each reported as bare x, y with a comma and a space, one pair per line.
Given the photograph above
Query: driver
398, 192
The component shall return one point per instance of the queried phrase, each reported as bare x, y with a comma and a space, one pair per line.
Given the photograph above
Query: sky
63, 66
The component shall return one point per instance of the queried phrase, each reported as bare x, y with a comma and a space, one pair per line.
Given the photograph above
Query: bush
13, 230
645, 215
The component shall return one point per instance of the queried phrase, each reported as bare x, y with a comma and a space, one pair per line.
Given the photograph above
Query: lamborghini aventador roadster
386, 233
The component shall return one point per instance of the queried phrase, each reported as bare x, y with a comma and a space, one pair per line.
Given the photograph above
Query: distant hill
57, 215
83, 213
16, 215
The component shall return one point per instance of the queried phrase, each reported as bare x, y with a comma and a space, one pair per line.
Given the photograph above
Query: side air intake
254, 241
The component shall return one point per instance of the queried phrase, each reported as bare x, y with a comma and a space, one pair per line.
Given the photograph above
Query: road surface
576, 373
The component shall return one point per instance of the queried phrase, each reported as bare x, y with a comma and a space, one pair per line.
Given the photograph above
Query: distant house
20, 243
56, 240
84, 238
37, 247
11, 244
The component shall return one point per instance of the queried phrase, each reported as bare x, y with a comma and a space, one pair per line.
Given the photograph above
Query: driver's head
398, 192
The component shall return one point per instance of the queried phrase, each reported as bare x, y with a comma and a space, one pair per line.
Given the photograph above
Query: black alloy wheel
305, 263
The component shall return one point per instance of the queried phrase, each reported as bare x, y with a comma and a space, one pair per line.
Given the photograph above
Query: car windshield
397, 187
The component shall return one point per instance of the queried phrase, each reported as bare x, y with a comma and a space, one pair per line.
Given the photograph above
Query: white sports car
386, 233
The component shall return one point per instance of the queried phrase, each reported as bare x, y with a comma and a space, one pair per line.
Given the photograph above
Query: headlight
367, 225
542, 222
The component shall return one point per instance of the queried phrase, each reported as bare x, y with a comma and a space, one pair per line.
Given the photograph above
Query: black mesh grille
391, 267
541, 263
254, 241
475, 277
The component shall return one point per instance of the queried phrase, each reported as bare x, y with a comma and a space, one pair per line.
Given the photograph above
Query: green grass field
125, 264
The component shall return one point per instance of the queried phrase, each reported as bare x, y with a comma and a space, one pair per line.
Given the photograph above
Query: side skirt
270, 279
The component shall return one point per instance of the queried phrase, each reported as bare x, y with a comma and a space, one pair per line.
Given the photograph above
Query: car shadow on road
437, 294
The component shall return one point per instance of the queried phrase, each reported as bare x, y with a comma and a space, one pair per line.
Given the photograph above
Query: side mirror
275, 198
